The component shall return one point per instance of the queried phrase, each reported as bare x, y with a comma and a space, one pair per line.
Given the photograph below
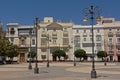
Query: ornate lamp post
36, 69
92, 12
74, 50
48, 51
30, 66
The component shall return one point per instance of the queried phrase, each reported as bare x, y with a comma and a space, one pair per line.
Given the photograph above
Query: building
82, 36
51, 35
20, 36
54, 35
112, 38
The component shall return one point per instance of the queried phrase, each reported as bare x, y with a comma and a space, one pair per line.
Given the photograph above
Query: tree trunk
80, 59
11, 60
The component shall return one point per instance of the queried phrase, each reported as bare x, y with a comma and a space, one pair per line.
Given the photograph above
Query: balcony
110, 34
110, 44
12, 32
117, 34
24, 45
118, 44
118, 51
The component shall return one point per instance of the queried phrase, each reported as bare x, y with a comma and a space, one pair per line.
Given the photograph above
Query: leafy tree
32, 54
12, 51
80, 53
102, 54
43, 57
59, 53
4, 43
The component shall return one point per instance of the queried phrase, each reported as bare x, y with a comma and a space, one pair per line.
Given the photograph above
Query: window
99, 46
84, 39
110, 48
90, 35
110, 40
77, 31
54, 41
98, 30
118, 40
77, 41
65, 41
84, 35
84, 31
77, 38
86, 44
118, 29
23, 42
90, 30
12, 31
43, 50
33, 41
110, 29
118, 49
43, 41
90, 39
98, 38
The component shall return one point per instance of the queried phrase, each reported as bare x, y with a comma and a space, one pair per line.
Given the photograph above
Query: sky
25, 11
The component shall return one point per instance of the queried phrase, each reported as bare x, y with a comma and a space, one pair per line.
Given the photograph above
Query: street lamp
74, 51
92, 12
36, 69
48, 50
30, 66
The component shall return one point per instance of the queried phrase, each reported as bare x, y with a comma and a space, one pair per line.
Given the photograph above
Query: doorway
22, 57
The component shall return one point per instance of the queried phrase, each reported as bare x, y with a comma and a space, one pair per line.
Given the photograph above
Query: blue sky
25, 11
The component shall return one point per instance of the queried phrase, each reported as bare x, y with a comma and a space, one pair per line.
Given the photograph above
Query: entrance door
22, 57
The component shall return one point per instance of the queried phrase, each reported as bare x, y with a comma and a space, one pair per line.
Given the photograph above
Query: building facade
82, 36
53, 35
112, 38
50, 37
20, 35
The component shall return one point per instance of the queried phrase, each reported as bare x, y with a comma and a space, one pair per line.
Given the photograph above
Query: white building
82, 36
20, 35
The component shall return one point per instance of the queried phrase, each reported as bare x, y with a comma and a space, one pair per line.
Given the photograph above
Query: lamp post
36, 69
30, 66
91, 12
74, 51
48, 51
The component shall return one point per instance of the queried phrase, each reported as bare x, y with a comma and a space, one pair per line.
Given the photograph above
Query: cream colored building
20, 35
51, 35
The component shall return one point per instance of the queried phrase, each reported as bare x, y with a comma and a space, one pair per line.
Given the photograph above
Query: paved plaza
60, 71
